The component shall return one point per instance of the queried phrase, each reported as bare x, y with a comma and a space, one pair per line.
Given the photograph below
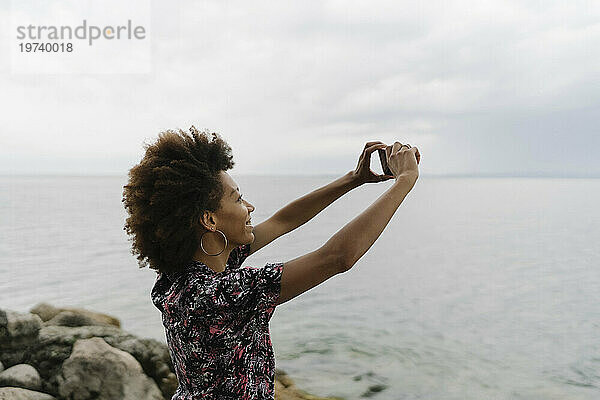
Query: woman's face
234, 214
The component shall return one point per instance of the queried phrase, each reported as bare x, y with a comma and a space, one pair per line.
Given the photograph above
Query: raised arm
302, 210
349, 244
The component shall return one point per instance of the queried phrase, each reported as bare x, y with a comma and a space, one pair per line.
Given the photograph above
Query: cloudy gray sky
481, 87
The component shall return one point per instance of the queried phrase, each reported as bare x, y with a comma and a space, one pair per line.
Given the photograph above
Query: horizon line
421, 175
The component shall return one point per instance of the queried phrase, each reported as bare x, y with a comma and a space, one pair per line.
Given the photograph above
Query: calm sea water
477, 289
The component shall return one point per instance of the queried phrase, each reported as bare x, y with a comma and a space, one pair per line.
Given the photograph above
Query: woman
190, 223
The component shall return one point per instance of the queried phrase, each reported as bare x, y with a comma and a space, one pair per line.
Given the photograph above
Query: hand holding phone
385, 153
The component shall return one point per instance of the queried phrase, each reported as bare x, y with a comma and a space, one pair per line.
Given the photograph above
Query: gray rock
11, 393
47, 312
69, 335
168, 385
18, 331
22, 376
96, 370
47, 348
151, 354
55, 343
70, 318
15, 325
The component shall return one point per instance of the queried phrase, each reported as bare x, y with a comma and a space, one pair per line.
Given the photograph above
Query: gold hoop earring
202, 246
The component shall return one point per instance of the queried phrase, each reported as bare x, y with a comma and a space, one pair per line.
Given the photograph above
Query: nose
250, 206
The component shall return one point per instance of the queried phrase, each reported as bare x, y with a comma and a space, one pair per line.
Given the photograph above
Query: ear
207, 220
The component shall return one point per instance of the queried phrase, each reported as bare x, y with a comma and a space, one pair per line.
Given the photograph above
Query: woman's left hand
363, 172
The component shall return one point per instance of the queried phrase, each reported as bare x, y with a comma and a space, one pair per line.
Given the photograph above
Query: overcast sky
481, 87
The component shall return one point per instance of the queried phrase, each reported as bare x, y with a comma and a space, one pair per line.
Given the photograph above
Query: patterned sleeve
251, 291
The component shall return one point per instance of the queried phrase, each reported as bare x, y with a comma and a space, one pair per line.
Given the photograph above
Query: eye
240, 198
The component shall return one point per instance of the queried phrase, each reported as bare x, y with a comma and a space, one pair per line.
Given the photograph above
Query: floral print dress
217, 328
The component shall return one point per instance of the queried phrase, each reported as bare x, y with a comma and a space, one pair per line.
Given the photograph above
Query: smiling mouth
248, 223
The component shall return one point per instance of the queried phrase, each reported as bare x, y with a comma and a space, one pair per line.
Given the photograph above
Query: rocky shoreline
55, 353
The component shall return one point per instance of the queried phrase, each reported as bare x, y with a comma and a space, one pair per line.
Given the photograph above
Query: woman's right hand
403, 161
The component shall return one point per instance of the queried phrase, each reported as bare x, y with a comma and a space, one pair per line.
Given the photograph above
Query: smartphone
384, 165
